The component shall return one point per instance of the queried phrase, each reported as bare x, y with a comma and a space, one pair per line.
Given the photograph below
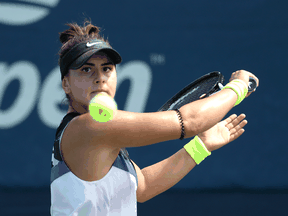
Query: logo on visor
25, 12
92, 44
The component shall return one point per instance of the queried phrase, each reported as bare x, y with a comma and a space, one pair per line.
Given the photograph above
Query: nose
100, 77
100, 81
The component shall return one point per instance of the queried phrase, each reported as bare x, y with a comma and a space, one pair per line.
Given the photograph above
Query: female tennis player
91, 172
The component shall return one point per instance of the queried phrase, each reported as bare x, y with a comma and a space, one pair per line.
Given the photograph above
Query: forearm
203, 114
163, 175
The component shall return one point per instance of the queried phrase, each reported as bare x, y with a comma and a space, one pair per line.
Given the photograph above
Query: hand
244, 75
223, 132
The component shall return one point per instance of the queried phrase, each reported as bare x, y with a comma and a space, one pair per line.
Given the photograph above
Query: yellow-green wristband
239, 95
234, 85
245, 89
240, 81
197, 150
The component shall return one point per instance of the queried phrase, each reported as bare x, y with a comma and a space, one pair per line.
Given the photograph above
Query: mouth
98, 92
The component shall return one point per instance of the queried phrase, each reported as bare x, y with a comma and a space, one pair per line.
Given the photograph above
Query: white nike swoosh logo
91, 44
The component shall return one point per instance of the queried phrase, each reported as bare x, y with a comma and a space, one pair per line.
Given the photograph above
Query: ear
66, 85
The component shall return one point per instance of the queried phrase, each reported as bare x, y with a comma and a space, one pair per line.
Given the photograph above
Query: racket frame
215, 88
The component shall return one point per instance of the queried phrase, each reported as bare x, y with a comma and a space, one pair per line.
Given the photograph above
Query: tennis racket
202, 87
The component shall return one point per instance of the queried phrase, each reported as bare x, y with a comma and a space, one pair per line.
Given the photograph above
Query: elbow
142, 197
141, 200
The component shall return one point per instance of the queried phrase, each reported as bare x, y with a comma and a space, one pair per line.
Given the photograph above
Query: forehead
101, 57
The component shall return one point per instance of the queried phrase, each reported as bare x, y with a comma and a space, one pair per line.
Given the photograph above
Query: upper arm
141, 184
128, 129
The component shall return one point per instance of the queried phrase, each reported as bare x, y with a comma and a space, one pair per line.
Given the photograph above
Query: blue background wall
165, 45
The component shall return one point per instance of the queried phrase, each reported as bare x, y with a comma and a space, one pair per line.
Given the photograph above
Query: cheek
81, 83
113, 84
114, 78
81, 89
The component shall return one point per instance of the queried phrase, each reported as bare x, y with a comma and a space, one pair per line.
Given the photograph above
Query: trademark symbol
157, 59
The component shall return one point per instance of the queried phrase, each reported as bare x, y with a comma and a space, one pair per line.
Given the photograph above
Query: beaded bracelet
181, 123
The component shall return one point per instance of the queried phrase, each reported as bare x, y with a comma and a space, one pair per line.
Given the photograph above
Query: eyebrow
91, 64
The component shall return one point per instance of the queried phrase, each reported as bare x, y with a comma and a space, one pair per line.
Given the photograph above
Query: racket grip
252, 84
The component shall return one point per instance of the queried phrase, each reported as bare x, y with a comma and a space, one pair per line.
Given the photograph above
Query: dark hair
77, 34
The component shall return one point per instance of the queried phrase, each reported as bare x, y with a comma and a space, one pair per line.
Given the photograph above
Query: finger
238, 127
236, 135
229, 119
248, 94
235, 121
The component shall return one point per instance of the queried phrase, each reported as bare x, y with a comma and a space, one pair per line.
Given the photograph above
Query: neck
80, 110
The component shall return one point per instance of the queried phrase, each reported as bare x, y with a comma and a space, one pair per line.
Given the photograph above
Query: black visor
82, 52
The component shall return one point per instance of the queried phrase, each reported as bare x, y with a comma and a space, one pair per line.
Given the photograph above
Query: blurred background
165, 45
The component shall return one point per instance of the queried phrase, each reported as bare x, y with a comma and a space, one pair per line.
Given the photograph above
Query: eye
86, 69
107, 69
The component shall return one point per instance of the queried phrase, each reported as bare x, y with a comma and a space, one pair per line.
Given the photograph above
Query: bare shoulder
89, 159
83, 131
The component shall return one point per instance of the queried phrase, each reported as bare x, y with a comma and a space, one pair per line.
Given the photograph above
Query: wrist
240, 89
197, 150
241, 84
244, 84
203, 141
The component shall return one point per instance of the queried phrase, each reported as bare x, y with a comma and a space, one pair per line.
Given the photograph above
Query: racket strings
206, 86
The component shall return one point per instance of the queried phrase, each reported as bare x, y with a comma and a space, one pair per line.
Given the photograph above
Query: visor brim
111, 53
